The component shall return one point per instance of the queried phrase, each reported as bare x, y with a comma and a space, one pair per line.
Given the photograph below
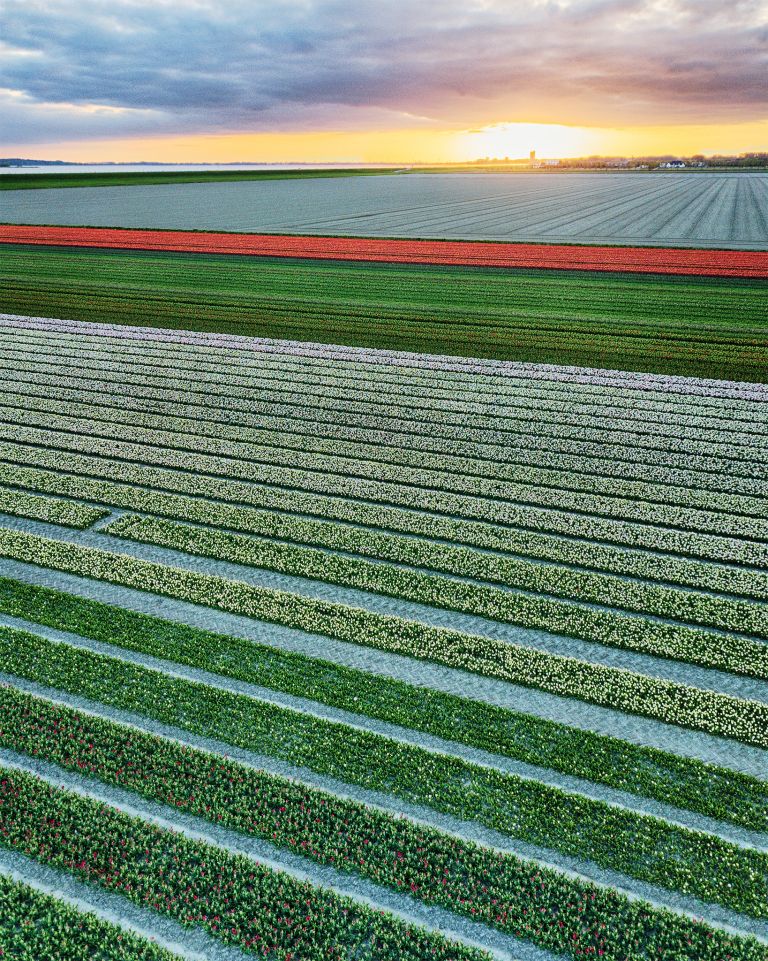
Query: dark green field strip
156, 491
417, 470
435, 867
139, 178
728, 652
269, 912
619, 689
40, 927
551, 509
502, 558
286, 384
250, 906
648, 772
358, 367
390, 414
635, 844
615, 321
474, 460
628, 446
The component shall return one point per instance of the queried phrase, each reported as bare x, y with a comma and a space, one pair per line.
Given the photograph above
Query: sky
391, 80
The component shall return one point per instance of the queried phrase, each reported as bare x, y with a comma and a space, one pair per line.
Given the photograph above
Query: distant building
532, 156
672, 164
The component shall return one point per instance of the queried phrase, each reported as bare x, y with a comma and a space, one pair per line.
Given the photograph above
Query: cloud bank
75, 69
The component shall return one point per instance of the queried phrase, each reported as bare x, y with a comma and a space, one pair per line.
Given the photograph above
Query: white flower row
345, 498
661, 383
494, 501
738, 654
418, 547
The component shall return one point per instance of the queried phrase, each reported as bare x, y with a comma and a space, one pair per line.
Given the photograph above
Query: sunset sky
394, 81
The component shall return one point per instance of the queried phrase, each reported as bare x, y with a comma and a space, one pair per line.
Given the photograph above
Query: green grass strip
39, 927
615, 838
625, 322
684, 782
143, 178
619, 689
249, 906
426, 863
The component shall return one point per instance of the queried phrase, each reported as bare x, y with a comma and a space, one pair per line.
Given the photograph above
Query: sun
515, 140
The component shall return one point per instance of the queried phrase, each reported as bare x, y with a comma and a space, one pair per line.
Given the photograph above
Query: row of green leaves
684, 782
612, 687
494, 887
39, 927
616, 838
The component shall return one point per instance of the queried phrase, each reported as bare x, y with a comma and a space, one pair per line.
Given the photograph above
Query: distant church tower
533, 156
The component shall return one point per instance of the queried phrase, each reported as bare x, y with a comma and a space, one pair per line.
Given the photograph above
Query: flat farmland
696, 326
708, 209
325, 652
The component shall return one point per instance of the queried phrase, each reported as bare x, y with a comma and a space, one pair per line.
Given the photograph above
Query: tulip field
421, 644
500, 301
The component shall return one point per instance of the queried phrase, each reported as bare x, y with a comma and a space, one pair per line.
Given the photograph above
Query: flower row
634, 462
40, 927
682, 781
493, 887
369, 397
377, 378
435, 472
677, 641
624, 521
249, 906
608, 686
616, 838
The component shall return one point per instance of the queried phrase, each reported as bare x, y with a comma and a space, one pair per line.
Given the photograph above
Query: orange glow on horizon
500, 140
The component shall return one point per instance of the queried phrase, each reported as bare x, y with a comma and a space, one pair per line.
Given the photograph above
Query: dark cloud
206, 66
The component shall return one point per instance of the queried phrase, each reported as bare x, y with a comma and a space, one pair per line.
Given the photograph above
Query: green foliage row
140, 178
39, 927
497, 888
53, 510
635, 844
684, 782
